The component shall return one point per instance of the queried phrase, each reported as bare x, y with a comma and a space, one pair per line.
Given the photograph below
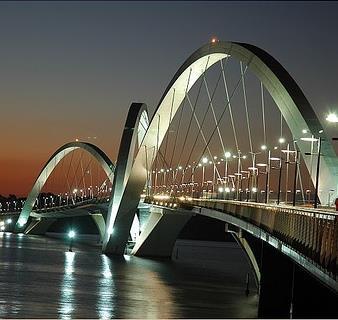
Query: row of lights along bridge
62, 199
230, 186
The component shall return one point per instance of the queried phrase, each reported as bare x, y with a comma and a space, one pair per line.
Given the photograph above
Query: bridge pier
160, 233
39, 227
284, 284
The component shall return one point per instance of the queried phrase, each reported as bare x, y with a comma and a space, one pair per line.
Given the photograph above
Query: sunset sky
71, 69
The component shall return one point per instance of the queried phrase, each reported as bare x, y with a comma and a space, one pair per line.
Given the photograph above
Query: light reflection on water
66, 302
107, 291
39, 278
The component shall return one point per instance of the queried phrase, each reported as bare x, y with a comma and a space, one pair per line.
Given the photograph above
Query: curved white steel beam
51, 164
287, 95
135, 128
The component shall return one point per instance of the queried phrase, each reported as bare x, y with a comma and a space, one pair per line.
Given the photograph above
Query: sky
71, 69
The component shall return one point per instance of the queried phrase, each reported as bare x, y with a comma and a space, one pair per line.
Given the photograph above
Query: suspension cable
180, 119
193, 114
263, 113
225, 108
75, 172
246, 108
213, 112
170, 119
229, 104
200, 125
67, 176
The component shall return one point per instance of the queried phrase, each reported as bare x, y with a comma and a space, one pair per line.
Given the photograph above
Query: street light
71, 236
295, 152
281, 140
332, 117
204, 162
319, 140
279, 176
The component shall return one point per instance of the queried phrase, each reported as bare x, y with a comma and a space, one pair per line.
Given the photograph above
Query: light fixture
332, 117
71, 234
309, 139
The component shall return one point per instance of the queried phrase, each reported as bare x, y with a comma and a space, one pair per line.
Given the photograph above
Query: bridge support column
39, 227
143, 214
160, 232
284, 283
100, 223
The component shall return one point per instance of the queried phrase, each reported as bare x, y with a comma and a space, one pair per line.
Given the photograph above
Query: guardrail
312, 233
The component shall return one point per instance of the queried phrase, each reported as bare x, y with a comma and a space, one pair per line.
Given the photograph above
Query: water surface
39, 278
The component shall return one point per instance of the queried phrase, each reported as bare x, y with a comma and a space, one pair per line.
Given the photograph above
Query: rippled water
39, 278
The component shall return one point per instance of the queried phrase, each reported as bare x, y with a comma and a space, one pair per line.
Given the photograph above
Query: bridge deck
313, 233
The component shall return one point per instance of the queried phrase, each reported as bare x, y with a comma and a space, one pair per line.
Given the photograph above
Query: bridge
233, 138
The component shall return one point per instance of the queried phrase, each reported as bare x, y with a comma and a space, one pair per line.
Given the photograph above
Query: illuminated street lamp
332, 117
279, 176
281, 140
71, 236
295, 152
319, 141
204, 162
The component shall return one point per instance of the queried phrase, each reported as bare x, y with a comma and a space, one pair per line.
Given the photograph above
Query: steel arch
134, 131
51, 164
287, 95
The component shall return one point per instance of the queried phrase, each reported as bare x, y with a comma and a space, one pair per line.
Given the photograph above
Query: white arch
51, 164
287, 95
134, 131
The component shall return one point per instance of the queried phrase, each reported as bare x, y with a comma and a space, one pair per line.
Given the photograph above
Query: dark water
39, 278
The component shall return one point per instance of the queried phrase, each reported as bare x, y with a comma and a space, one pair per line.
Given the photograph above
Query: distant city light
205, 160
281, 140
263, 147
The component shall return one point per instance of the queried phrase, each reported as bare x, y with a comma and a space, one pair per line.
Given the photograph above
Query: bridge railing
312, 233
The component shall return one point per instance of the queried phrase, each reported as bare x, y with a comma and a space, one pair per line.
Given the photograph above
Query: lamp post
317, 172
295, 179
71, 236
238, 173
295, 152
279, 181
319, 141
204, 162
266, 179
